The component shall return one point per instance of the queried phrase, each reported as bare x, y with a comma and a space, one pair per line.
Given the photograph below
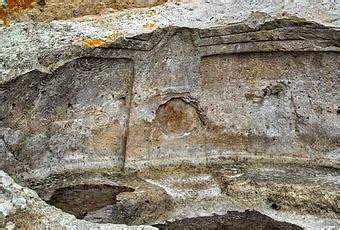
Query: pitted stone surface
178, 84
178, 95
49, 45
177, 116
77, 114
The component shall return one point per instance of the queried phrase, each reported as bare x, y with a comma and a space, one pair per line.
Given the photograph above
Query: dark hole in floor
247, 220
275, 206
82, 199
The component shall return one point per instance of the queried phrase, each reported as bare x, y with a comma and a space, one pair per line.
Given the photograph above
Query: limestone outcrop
197, 84
22, 208
180, 95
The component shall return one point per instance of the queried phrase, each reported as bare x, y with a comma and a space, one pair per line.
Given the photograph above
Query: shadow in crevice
232, 220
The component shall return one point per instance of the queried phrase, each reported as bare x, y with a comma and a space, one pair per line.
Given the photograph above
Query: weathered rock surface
22, 208
307, 197
104, 197
290, 193
187, 84
175, 95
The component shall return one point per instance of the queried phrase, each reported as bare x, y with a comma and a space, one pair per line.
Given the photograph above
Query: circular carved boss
177, 117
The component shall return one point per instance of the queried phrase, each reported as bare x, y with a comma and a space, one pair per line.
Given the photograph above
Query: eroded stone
82, 199
85, 104
178, 117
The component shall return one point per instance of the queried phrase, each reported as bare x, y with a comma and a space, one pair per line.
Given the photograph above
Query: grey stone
19, 202
178, 84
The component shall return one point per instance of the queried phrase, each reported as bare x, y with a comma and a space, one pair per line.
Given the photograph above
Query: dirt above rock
48, 10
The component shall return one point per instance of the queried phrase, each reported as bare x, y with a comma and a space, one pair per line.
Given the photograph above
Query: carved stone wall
177, 96
76, 115
180, 110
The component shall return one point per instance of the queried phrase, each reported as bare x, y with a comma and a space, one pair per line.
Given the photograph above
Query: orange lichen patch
93, 42
3, 16
19, 4
150, 24
14, 5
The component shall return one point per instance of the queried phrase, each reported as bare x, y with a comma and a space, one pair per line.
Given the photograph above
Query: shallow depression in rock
198, 197
98, 203
80, 200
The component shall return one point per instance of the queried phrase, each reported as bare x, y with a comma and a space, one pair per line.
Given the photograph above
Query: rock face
88, 101
173, 194
179, 95
22, 208
139, 90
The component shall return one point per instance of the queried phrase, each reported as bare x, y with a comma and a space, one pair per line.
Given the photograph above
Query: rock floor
304, 196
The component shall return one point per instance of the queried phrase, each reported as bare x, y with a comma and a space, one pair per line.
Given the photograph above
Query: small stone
5, 208
19, 202
10, 226
5, 181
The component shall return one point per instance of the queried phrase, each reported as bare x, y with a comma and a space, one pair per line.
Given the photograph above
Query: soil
249, 219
